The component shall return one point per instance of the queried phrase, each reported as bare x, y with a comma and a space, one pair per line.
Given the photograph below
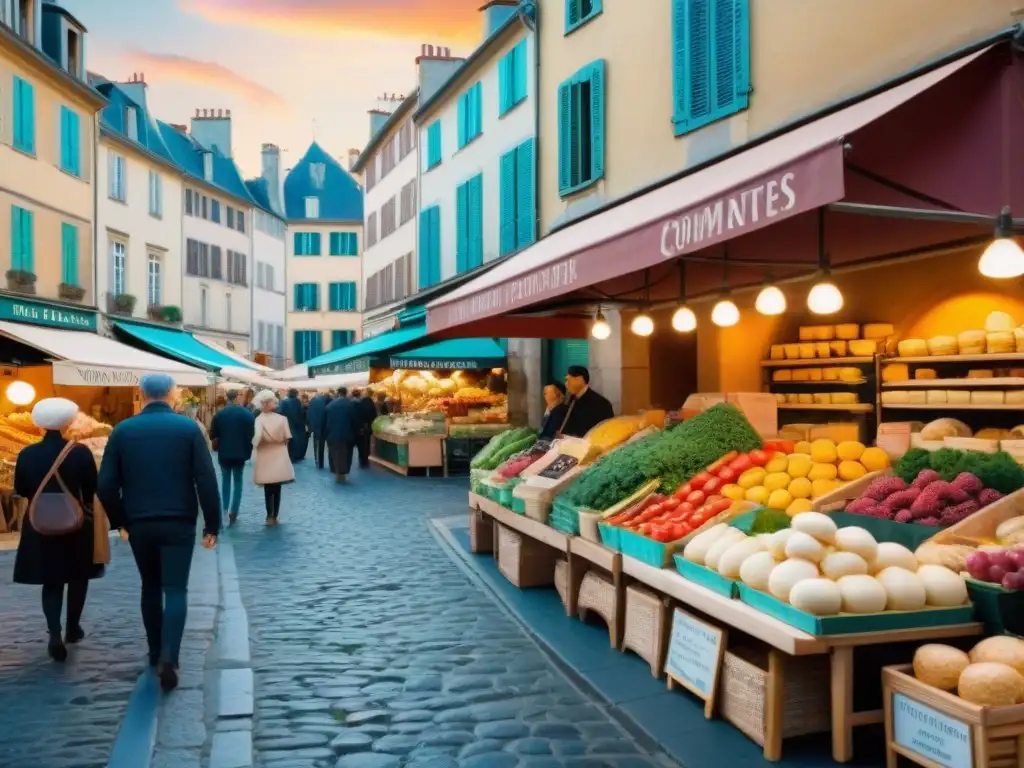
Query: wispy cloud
169, 66
429, 21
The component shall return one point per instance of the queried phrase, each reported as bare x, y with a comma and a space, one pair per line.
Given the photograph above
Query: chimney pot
430, 50
227, 112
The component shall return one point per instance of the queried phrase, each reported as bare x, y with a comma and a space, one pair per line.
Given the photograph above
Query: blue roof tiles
114, 116
319, 175
188, 155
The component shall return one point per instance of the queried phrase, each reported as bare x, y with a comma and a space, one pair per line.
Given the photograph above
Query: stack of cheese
951, 397
843, 340
1000, 337
817, 398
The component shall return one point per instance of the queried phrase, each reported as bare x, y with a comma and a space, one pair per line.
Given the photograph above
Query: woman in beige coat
272, 467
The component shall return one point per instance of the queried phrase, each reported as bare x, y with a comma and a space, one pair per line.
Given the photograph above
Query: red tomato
712, 485
712, 499
727, 475
759, 458
671, 503
696, 498
720, 506
683, 491
723, 461
783, 446
686, 508
699, 480
741, 464
676, 532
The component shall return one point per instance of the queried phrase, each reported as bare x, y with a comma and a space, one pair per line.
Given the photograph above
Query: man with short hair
586, 408
155, 475
231, 434
367, 413
341, 430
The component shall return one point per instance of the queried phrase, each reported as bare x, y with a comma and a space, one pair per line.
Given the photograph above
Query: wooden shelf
948, 407
852, 408
1005, 357
856, 383
1005, 381
818, 361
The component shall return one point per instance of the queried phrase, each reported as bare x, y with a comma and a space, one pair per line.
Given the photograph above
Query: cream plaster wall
269, 303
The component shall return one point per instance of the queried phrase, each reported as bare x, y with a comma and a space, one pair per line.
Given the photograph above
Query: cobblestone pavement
67, 715
373, 650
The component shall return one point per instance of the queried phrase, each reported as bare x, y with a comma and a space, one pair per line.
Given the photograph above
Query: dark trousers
319, 450
341, 458
163, 553
363, 448
272, 497
53, 602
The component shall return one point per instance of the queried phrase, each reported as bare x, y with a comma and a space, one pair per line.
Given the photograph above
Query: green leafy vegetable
506, 452
769, 521
995, 470
674, 455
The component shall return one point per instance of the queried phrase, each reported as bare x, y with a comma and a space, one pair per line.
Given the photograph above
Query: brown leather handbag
60, 513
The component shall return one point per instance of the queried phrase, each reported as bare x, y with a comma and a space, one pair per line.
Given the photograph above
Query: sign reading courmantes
807, 183
37, 313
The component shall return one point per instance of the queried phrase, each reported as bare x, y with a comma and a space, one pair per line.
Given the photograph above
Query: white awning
246, 376
89, 360
294, 373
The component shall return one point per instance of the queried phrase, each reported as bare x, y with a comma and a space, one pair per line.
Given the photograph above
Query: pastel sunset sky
288, 70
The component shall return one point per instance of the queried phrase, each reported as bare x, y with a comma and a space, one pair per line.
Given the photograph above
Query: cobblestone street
372, 649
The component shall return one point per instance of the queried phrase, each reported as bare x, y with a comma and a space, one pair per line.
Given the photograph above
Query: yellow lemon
874, 459
734, 492
823, 451
778, 464
850, 450
800, 488
799, 465
822, 471
753, 476
802, 446
758, 494
773, 481
798, 506
851, 470
821, 487
779, 499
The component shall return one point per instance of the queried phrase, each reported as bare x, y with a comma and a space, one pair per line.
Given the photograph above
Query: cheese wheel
777, 352
913, 348
1000, 343
822, 349
830, 374
847, 331
844, 398
981, 373
807, 351
863, 347
850, 374
936, 396
971, 342
782, 374
987, 397
878, 330
917, 397
807, 333
895, 397
895, 372
841, 349
821, 398
958, 396
922, 374
814, 374
942, 345
792, 351
999, 321
780, 399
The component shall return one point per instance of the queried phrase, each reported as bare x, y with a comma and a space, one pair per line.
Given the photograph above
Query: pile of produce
405, 424
998, 471
990, 675
1008, 536
926, 500
790, 479
674, 455
514, 466
613, 432
670, 518
501, 448
824, 570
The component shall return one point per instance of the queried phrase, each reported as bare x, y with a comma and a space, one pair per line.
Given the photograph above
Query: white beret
54, 413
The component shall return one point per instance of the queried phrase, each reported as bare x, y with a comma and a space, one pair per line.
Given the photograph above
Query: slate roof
113, 119
188, 155
259, 191
318, 174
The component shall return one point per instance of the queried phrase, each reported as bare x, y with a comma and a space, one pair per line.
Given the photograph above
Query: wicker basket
524, 561
562, 579
597, 593
481, 532
537, 509
743, 688
646, 627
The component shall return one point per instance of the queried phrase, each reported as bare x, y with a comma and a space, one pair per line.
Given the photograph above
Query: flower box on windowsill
160, 313
71, 292
121, 304
21, 281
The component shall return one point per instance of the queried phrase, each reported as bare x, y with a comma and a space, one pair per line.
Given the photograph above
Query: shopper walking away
341, 430
586, 408
367, 412
155, 476
555, 411
315, 420
291, 409
231, 433
272, 466
57, 547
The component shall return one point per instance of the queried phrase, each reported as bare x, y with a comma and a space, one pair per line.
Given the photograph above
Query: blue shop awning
179, 345
464, 354
357, 357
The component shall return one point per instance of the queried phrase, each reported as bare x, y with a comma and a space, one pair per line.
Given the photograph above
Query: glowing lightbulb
600, 330
824, 299
21, 392
770, 301
725, 314
1002, 259
642, 325
684, 320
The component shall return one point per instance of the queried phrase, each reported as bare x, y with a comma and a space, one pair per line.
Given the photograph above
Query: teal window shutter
69, 253
579, 12
581, 125
505, 68
519, 74
334, 297
477, 95
353, 298
16, 239
297, 298
298, 244
70, 141
314, 243
565, 138
424, 248
340, 339
526, 216
597, 114
476, 222
22, 248
435, 245
507, 201
434, 143
334, 243
24, 116
353, 244
463, 118
461, 227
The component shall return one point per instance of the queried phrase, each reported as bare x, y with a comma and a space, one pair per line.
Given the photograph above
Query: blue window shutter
314, 244
565, 137
334, 243
423, 258
314, 290
463, 110
353, 297
76, 144
526, 216
507, 201
297, 339
461, 227
298, 243
731, 55
698, 45
597, 113
435, 244
29, 102
572, 14
69, 253
680, 64
351, 244
505, 83
476, 221
27, 244
519, 80
16, 243
478, 109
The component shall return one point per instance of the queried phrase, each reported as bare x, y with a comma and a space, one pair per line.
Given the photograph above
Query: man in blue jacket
341, 430
231, 433
315, 419
155, 475
291, 408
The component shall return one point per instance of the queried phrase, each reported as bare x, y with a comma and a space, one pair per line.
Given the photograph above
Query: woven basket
597, 593
646, 627
481, 532
523, 561
744, 684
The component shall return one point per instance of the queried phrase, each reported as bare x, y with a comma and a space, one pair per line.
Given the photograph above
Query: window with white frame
116, 168
118, 267
156, 194
131, 123
153, 287
313, 207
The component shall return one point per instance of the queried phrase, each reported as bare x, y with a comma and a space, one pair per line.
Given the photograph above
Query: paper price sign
934, 736
695, 657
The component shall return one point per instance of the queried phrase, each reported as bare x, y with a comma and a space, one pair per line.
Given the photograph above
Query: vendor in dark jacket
155, 475
554, 411
586, 408
231, 433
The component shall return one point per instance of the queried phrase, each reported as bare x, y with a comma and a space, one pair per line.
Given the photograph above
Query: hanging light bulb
1003, 258
825, 299
684, 320
725, 314
770, 301
642, 325
21, 392
600, 330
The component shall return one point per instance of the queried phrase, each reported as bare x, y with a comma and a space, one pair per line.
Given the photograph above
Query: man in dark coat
155, 475
342, 421
315, 420
586, 408
382, 404
369, 411
291, 409
231, 433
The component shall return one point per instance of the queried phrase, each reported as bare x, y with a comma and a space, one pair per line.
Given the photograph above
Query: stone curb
136, 738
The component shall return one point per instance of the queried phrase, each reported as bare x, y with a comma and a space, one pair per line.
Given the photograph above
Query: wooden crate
918, 715
646, 627
524, 561
981, 526
481, 532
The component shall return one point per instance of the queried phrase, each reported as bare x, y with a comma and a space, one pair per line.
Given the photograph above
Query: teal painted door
563, 353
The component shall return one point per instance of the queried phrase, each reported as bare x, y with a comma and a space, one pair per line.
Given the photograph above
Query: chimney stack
496, 13
212, 129
435, 64
270, 156
135, 89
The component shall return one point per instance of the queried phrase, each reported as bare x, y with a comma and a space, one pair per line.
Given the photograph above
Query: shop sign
931, 734
805, 184
435, 365
68, 373
22, 311
355, 365
694, 656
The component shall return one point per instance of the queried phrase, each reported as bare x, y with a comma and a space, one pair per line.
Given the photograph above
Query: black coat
369, 412
342, 421
586, 412
315, 413
56, 559
233, 428
553, 422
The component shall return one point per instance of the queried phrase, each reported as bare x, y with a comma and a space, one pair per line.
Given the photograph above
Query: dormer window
208, 166
73, 51
131, 123
317, 172
313, 206
23, 12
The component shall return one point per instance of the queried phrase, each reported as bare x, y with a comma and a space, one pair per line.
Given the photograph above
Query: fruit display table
400, 454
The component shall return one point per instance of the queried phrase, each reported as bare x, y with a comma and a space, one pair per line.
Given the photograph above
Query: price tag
931, 734
695, 657
894, 438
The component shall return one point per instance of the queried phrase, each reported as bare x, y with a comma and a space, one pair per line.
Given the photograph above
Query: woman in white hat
271, 464
58, 479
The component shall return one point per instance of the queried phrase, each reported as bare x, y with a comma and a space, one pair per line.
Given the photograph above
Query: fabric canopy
89, 360
356, 357
246, 376
465, 354
181, 345
233, 355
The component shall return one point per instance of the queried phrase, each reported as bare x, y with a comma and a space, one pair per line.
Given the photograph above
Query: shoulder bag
56, 514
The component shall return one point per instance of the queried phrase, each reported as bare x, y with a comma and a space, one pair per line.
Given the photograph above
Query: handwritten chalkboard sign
935, 736
694, 658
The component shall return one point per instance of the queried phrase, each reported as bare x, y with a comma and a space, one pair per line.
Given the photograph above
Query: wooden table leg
891, 758
842, 704
773, 707
620, 613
